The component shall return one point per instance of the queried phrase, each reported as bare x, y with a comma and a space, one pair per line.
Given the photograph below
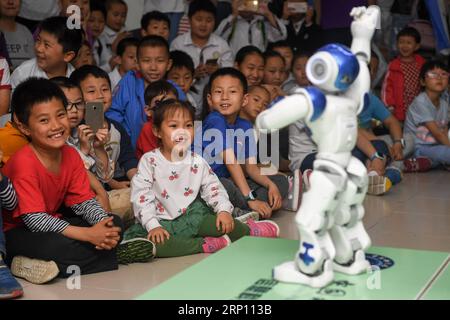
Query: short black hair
153, 41
278, 44
271, 54
125, 43
85, 71
232, 72
201, 5
157, 88
97, 5
64, 83
156, 16
69, 39
245, 51
430, 65
409, 32
300, 54
110, 3
182, 59
170, 106
31, 92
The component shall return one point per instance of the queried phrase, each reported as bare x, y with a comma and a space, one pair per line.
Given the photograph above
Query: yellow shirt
11, 141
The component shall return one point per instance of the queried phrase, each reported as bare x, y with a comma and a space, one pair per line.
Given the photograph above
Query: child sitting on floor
46, 174
179, 201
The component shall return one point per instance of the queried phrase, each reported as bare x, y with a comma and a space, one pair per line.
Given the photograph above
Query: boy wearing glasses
401, 83
427, 117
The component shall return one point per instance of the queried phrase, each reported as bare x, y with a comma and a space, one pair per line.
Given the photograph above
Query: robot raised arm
305, 104
365, 21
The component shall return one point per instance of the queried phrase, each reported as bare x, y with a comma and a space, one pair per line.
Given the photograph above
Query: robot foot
357, 266
288, 272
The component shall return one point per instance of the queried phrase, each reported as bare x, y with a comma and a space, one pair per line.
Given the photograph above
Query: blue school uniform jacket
128, 104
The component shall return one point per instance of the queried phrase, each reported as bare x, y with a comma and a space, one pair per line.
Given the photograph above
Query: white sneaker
292, 201
33, 270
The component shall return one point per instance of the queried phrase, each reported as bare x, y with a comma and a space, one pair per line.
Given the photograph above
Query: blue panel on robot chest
347, 64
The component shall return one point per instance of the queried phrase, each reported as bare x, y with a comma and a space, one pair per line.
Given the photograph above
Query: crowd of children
152, 181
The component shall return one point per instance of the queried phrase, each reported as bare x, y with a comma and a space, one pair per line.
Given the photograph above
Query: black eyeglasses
77, 105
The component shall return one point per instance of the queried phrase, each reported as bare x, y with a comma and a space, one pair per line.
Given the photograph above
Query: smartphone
249, 5
212, 61
298, 7
94, 115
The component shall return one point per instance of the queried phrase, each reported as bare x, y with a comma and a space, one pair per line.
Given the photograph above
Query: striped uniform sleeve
91, 211
43, 222
8, 196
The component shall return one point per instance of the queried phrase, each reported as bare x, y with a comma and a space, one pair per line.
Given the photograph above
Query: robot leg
349, 236
313, 262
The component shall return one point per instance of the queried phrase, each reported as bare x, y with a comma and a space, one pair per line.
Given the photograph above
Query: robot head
332, 68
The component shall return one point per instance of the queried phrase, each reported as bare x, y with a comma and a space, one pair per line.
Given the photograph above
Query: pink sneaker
419, 164
265, 229
212, 245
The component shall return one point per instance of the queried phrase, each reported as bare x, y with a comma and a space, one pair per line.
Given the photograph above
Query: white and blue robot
332, 235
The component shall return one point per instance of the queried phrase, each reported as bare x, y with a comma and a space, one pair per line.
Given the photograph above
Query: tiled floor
416, 215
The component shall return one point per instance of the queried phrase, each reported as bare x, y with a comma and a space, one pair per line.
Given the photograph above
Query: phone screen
94, 115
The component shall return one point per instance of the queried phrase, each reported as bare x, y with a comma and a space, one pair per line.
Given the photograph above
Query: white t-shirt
20, 45
5, 79
31, 69
115, 78
38, 10
216, 48
165, 6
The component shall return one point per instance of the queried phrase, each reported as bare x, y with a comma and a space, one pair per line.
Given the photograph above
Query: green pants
187, 231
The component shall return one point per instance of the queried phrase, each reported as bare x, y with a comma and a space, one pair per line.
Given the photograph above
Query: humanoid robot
332, 236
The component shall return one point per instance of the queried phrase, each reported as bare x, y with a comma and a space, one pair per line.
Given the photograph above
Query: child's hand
85, 134
224, 222
101, 138
397, 152
104, 235
211, 68
112, 238
200, 72
158, 235
275, 200
287, 12
309, 19
114, 184
261, 207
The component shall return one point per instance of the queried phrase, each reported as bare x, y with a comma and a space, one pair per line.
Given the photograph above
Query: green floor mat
244, 271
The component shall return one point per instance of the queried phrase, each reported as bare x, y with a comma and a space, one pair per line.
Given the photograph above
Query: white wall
135, 12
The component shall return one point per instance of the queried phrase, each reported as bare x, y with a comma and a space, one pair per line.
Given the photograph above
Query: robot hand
365, 21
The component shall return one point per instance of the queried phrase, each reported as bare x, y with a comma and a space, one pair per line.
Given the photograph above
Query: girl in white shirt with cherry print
178, 200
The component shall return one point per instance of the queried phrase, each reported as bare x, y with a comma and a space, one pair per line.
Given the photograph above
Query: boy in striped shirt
46, 174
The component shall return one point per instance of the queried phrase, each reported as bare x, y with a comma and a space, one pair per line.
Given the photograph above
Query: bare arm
439, 135
4, 101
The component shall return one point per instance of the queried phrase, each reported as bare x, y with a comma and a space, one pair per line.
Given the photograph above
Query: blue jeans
438, 154
379, 145
174, 18
2, 237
